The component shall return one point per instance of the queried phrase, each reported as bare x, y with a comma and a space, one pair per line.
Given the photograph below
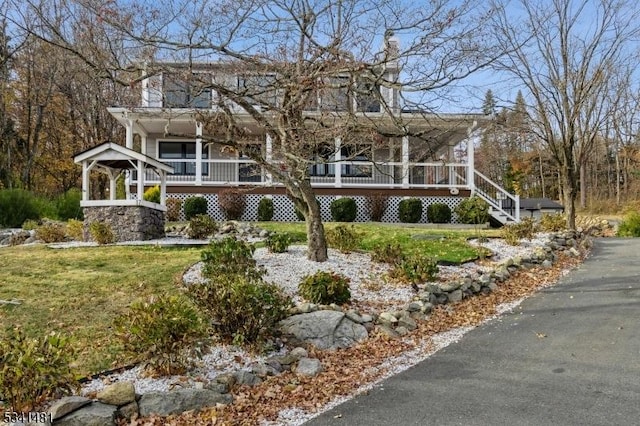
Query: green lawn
79, 291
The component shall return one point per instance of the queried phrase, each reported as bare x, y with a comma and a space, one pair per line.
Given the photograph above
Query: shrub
376, 206
410, 210
68, 205
344, 210
438, 213
46, 207
630, 225
525, 229
173, 209
32, 370
325, 288
194, 206
265, 209
101, 233
553, 222
278, 243
344, 238
16, 206
202, 226
51, 232
75, 230
388, 253
243, 310
152, 194
230, 257
415, 268
30, 225
166, 333
232, 203
473, 210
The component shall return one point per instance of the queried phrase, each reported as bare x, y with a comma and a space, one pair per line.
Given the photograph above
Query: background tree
563, 53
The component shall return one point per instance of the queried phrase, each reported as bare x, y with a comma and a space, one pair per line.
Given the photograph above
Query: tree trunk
583, 187
569, 192
305, 200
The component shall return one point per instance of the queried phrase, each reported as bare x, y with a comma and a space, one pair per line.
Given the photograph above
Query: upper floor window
259, 89
367, 97
192, 92
335, 94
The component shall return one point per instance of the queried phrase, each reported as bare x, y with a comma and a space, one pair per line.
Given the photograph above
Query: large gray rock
119, 393
309, 367
95, 414
66, 405
324, 329
179, 401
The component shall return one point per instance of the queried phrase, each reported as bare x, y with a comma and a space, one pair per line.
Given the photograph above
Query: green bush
344, 210
32, 370
553, 222
232, 202
75, 229
202, 226
388, 253
525, 229
30, 224
438, 213
278, 242
194, 206
16, 206
473, 211
51, 232
410, 210
344, 238
265, 209
165, 333
101, 233
415, 268
230, 257
173, 209
243, 310
630, 225
68, 205
325, 288
152, 194
376, 206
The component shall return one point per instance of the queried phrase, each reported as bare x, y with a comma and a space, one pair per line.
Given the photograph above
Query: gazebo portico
130, 218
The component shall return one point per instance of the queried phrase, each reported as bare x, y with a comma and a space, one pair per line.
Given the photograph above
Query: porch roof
441, 129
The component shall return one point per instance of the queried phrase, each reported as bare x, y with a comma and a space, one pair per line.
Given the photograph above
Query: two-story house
170, 126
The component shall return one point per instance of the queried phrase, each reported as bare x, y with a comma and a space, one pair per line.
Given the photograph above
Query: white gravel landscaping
287, 269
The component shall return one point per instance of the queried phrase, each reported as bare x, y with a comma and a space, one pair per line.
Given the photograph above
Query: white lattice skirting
284, 210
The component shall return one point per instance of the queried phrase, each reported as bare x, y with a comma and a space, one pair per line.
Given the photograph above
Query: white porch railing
505, 206
350, 174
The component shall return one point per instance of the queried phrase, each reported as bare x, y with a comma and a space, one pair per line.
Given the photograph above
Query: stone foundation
128, 223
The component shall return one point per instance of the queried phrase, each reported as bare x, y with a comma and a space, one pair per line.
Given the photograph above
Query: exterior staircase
504, 207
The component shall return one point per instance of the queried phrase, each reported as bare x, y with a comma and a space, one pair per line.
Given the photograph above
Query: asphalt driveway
569, 355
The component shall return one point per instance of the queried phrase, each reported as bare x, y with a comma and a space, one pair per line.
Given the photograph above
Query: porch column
163, 187
129, 144
143, 144
268, 155
85, 181
338, 164
140, 169
198, 153
471, 176
112, 185
405, 161
129, 134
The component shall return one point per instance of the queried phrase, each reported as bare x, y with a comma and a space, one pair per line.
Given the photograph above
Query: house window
249, 171
326, 168
335, 96
368, 97
182, 151
259, 89
190, 93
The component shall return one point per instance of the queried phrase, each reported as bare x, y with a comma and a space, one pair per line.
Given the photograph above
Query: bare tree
563, 53
290, 54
